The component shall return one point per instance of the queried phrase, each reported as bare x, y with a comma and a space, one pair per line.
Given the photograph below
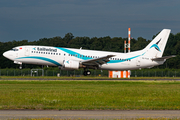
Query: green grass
97, 119
90, 95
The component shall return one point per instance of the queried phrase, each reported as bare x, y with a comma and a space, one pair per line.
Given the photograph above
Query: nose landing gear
20, 67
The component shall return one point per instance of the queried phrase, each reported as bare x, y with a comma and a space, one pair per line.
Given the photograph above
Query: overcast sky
34, 19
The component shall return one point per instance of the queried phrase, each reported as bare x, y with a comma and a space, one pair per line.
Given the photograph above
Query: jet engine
70, 64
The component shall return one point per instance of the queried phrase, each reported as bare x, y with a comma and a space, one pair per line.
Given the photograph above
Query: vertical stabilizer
156, 47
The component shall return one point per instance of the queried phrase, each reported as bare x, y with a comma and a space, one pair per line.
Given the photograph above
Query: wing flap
97, 61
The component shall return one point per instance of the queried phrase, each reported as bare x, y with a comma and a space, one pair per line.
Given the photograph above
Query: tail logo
156, 46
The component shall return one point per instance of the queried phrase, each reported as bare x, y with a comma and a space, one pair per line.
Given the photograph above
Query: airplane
73, 59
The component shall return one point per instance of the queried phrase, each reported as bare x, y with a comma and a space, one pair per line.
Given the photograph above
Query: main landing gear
86, 72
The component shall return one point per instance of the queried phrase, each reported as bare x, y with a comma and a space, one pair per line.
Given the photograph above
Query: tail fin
156, 47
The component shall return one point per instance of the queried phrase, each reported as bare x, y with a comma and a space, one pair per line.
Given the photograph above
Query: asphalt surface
93, 79
119, 114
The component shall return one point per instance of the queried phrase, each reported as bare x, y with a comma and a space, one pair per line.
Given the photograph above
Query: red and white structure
119, 74
129, 38
123, 74
129, 41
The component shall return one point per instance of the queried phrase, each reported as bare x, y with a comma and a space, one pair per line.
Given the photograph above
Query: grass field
90, 95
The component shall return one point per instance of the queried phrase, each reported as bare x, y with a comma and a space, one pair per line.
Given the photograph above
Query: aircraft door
16, 54
27, 51
64, 54
138, 61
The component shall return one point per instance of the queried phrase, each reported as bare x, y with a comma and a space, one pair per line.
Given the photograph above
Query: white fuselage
55, 56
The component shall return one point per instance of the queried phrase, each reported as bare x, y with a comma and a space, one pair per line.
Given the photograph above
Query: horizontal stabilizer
163, 58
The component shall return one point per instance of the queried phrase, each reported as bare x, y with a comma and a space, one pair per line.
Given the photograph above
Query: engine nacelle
70, 64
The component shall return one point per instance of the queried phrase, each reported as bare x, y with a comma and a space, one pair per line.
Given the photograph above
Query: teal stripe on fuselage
117, 61
41, 58
87, 58
80, 56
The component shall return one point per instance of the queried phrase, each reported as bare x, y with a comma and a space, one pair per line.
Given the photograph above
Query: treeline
107, 43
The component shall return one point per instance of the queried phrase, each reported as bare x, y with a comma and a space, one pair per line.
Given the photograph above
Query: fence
78, 73
155, 73
24, 72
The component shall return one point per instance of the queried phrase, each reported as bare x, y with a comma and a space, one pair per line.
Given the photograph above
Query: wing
97, 61
163, 58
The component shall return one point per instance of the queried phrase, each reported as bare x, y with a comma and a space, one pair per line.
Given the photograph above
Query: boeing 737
72, 59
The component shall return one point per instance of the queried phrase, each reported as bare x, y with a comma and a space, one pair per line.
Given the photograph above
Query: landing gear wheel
88, 72
85, 73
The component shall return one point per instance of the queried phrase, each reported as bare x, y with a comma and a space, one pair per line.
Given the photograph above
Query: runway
119, 114
95, 79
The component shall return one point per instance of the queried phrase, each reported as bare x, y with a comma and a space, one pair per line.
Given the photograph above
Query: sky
35, 19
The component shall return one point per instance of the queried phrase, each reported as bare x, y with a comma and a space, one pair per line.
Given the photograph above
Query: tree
68, 37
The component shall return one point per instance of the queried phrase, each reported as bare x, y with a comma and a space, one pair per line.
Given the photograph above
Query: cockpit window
14, 49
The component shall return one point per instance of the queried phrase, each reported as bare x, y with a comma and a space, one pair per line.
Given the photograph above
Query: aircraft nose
6, 54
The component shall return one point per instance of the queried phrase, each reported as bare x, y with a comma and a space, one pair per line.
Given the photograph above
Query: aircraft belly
117, 66
36, 62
